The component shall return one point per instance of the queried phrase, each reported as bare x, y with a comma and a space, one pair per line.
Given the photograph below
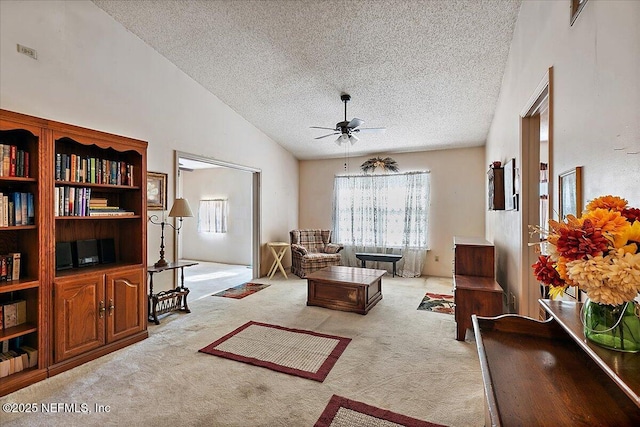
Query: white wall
596, 69
458, 192
92, 72
234, 246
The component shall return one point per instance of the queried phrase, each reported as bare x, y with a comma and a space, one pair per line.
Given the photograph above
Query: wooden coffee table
345, 288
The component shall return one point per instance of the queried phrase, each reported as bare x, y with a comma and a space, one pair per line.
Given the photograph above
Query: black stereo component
106, 251
64, 258
85, 252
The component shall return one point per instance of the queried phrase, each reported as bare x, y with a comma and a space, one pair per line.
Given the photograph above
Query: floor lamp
180, 210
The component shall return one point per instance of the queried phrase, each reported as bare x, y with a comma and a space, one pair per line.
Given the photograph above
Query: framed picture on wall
570, 196
570, 193
510, 186
576, 8
156, 191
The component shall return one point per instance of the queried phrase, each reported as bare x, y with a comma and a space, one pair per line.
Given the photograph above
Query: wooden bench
393, 258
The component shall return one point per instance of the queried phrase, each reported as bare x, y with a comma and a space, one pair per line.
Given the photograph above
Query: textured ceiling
428, 71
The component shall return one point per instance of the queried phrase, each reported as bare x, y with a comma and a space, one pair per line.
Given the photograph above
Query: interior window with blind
212, 216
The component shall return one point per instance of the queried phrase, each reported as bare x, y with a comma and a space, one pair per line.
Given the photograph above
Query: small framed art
511, 186
570, 193
156, 191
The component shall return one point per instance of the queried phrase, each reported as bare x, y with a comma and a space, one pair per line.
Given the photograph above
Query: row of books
77, 168
77, 201
15, 162
10, 267
17, 209
16, 357
13, 313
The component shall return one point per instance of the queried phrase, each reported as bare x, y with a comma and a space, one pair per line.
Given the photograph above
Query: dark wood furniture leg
185, 290
151, 304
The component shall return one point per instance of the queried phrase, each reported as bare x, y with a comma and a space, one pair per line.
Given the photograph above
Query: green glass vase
616, 327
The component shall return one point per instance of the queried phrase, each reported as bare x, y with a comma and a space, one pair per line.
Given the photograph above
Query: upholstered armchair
312, 250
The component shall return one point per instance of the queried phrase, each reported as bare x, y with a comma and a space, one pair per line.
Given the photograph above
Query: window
212, 216
382, 211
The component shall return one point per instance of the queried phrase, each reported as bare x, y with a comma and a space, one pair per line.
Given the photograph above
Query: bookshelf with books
99, 193
22, 252
84, 186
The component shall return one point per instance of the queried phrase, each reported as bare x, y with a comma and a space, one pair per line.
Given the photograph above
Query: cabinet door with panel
79, 307
126, 292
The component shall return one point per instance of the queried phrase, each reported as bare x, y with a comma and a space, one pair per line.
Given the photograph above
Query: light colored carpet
401, 359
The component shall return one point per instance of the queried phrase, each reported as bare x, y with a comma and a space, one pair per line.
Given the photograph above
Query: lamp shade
180, 209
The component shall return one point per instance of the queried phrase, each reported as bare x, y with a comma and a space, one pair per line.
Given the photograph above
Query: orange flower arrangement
598, 252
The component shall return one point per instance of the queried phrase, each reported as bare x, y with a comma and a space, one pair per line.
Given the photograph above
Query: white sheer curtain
383, 213
212, 216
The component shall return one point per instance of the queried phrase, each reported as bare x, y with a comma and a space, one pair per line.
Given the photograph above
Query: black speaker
64, 259
106, 251
85, 252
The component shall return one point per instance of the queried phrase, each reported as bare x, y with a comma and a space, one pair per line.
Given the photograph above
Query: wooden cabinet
95, 309
78, 314
548, 374
475, 295
473, 256
495, 179
475, 288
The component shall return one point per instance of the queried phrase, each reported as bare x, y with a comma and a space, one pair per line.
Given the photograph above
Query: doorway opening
228, 195
536, 124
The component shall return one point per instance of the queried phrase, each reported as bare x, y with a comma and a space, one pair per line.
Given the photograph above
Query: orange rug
241, 291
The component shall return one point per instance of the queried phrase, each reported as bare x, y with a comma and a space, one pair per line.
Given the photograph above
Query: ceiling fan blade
318, 127
355, 122
324, 136
370, 130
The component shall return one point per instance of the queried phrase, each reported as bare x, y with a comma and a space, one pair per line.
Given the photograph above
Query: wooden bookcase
78, 314
30, 241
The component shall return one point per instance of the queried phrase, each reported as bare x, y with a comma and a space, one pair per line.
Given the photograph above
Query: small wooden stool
278, 249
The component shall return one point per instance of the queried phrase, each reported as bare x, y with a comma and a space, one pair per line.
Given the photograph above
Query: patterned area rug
440, 303
297, 352
343, 412
241, 291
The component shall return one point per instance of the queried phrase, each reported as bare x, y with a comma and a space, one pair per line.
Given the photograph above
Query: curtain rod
378, 175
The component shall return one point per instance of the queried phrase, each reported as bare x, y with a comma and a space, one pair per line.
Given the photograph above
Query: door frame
529, 191
255, 202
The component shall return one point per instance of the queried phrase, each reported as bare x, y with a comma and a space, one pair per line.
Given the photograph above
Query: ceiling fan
347, 129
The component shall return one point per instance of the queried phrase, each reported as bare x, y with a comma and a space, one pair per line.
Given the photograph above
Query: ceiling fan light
353, 139
339, 141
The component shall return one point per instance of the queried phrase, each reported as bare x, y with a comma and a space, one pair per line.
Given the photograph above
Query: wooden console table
393, 258
171, 300
548, 374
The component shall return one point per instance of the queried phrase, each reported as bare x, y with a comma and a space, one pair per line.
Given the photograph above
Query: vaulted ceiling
428, 71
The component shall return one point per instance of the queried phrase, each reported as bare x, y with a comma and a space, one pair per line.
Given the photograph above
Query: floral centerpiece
600, 254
